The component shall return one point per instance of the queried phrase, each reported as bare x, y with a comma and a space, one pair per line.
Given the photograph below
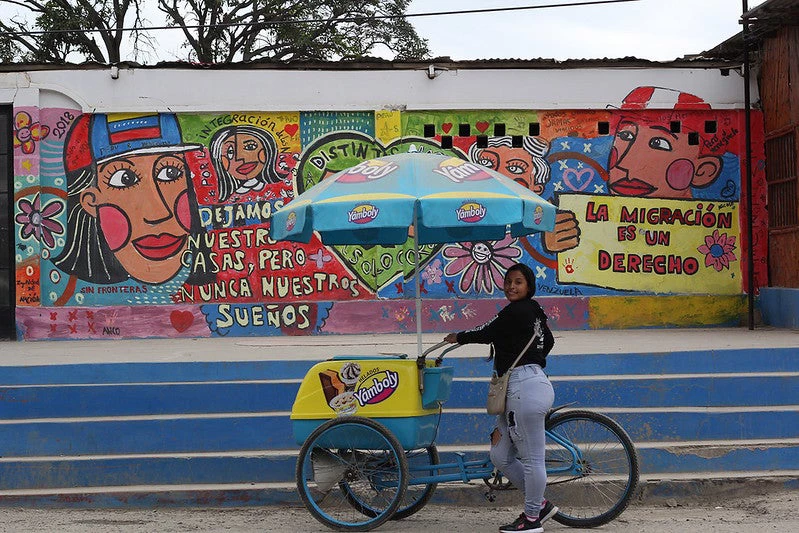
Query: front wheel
592, 468
352, 474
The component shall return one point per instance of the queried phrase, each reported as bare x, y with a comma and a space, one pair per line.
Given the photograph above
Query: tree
68, 29
223, 31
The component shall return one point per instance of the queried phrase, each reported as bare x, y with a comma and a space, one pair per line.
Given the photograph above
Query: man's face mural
143, 209
648, 159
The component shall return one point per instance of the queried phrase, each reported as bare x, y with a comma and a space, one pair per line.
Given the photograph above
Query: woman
517, 443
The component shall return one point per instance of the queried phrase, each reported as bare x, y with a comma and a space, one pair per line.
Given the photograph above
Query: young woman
517, 443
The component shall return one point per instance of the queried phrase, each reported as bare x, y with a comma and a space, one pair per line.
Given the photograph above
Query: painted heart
447, 126
582, 178
291, 129
181, 320
375, 266
482, 126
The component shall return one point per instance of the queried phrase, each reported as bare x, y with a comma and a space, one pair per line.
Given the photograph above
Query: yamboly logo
377, 387
471, 212
363, 213
367, 171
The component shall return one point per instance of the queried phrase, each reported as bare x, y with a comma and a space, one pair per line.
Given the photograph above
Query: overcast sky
659, 30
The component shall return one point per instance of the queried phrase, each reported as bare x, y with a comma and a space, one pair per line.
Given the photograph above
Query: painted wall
143, 223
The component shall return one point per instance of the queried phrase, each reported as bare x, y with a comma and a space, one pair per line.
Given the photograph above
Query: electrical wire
312, 21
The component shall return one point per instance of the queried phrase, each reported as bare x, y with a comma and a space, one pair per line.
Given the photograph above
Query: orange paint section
620, 312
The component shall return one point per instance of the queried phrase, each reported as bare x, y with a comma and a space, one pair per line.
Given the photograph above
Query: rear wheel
594, 487
352, 474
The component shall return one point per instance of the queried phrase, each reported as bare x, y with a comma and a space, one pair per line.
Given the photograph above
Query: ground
776, 511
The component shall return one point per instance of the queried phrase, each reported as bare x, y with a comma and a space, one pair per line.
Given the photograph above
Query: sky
659, 30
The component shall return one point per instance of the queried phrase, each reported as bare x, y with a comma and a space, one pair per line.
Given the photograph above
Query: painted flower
27, 132
432, 272
719, 250
39, 221
481, 265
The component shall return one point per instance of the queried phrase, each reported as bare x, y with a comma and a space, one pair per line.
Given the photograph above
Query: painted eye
230, 152
169, 173
250, 146
626, 135
516, 166
659, 143
123, 178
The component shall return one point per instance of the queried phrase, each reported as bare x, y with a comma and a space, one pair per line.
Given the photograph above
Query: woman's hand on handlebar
452, 338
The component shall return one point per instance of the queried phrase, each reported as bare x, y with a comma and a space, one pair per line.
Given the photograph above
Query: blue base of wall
780, 307
87, 434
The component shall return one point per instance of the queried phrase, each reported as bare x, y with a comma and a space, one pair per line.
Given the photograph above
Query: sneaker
522, 524
547, 511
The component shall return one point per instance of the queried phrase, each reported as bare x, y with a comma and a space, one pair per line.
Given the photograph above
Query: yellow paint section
388, 125
621, 312
653, 245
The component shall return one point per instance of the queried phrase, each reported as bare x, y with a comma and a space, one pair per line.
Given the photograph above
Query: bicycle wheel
352, 474
416, 494
594, 486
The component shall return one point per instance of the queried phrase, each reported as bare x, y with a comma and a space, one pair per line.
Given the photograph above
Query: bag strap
513, 365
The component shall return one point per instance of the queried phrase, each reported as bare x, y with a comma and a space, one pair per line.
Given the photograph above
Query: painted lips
246, 168
159, 247
627, 187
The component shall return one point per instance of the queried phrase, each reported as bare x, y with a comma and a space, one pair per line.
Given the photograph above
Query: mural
158, 225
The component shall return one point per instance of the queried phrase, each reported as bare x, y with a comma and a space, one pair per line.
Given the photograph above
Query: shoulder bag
498, 387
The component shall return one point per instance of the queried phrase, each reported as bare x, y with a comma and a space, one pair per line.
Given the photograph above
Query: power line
311, 21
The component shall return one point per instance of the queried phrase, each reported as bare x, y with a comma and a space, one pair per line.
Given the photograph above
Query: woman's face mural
525, 165
243, 155
142, 206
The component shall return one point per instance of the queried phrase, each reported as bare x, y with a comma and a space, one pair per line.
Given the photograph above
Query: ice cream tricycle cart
367, 427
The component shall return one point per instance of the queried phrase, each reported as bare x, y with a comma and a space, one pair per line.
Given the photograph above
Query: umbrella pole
417, 282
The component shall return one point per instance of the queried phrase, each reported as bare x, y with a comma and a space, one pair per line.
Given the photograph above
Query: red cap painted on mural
649, 97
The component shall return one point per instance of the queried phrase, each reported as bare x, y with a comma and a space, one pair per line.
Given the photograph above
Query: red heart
181, 320
446, 127
291, 129
482, 126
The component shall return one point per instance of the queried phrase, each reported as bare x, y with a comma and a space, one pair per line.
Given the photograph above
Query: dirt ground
777, 511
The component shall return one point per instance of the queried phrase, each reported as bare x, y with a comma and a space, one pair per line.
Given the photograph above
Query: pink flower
482, 265
432, 272
39, 221
718, 250
27, 132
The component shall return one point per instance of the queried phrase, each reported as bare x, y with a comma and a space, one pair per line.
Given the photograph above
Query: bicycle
367, 426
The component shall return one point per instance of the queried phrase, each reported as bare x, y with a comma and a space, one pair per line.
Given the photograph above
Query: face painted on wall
143, 210
243, 156
515, 163
649, 160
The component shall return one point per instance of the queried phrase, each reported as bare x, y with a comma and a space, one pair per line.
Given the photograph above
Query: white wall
200, 90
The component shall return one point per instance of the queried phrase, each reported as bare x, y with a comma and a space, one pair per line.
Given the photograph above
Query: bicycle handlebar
421, 359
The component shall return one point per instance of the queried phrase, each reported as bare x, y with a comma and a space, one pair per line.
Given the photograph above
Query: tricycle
367, 427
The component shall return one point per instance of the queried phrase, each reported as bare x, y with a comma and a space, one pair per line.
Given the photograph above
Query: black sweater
510, 331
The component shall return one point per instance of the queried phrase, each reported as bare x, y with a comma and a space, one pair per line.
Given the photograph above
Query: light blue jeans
519, 453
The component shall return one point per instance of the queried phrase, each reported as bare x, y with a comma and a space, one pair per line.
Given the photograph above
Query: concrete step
185, 432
